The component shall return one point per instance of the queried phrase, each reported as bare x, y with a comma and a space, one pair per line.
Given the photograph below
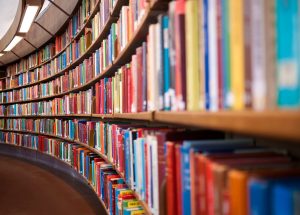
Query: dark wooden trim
14, 53
58, 7
42, 27
30, 43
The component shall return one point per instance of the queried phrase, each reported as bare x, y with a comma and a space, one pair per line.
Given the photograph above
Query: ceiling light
13, 43
28, 18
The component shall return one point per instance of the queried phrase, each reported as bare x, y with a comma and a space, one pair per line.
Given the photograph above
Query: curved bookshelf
92, 48
269, 124
144, 205
122, 58
79, 33
66, 163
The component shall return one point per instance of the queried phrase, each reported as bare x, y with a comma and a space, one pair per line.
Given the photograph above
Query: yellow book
237, 53
192, 55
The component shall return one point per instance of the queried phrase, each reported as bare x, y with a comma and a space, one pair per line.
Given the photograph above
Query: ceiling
8, 10
52, 16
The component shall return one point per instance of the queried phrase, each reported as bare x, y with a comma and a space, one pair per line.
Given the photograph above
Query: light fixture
13, 43
28, 18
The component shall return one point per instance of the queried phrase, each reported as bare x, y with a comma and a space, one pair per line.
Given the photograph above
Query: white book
151, 65
213, 55
258, 55
155, 189
159, 70
148, 143
131, 161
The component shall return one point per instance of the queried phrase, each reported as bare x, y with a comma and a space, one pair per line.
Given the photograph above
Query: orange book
237, 188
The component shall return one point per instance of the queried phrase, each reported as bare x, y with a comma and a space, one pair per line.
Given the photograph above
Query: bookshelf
282, 125
65, 163
148, 211
275, 123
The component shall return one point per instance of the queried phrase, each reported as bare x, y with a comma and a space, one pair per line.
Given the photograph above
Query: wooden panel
8, 57
23, 48
52, 19
67, 6
37, 36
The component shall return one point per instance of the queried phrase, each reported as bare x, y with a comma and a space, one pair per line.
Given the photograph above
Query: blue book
259, 197
137, 164
105, 99
81, 162
166, 64
203, 146
206, 52
127, 156
87, 166
283, 197
102, 185
97, 62
288, 53
71, 53
117, 193
110, 191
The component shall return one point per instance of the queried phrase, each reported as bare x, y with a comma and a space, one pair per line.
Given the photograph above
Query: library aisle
50, 193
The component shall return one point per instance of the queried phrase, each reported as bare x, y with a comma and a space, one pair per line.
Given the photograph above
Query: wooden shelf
270, 124
278, 124
144, 205
145, 116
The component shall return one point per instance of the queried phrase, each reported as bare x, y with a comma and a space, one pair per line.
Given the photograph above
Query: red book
121, 153
102, 96
139, 57
180, 73
102, 137
129, 89
97, 98
107, 178
75, 164
123, 90
171, 180
178, 179
110, 96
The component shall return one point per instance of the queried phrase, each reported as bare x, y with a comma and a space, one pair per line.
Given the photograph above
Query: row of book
194, 79
73, 103
107, 183
99, 61
204, 173
73, 52
120, 144
61, 41
35, 59
122, 30
231, 55
75, 49
70, 80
